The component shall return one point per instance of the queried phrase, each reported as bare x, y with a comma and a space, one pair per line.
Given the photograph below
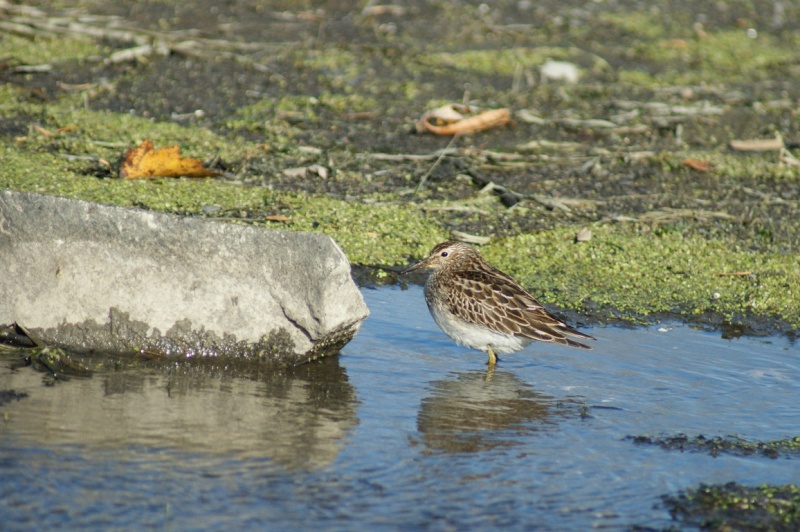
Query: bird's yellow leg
492, 357
490, 364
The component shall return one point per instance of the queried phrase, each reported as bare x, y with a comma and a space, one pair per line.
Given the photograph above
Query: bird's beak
417, 266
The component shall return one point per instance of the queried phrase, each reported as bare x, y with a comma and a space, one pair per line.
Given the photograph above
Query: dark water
403, 431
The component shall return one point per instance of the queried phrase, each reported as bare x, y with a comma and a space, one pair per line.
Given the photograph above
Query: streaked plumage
481, 307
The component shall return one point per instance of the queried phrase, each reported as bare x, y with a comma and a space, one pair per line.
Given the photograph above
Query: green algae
731, 166
635, 272
717, 445
59, 364
103, 133
39, 50
735, 507
9, 96
640, 25
267, 114
725, 56
370, 234
340, 68
671, 49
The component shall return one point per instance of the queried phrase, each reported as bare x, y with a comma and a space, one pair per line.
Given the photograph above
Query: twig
454, 208
401, 157
32, 22
435, 164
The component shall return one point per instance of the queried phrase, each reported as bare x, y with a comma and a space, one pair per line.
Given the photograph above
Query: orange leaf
144, 161
697, 164
479, 122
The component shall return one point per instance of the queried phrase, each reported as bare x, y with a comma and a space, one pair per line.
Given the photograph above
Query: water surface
404, 430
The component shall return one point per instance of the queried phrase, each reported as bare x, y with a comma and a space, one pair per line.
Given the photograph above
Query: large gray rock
94, 277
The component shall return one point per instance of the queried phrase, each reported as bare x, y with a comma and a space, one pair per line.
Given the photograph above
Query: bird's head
446, 256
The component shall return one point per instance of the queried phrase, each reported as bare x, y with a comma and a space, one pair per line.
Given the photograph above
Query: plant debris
460, 119
775, 144
736, 507
697, 164
144, 161
723, 445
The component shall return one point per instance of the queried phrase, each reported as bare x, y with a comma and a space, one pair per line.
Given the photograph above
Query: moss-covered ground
261, 90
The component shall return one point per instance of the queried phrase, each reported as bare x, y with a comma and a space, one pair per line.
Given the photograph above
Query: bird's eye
444, 253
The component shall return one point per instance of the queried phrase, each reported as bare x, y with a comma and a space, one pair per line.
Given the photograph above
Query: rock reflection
297, 417
476, 411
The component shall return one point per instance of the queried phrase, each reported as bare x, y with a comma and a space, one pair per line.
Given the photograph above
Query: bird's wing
489, 296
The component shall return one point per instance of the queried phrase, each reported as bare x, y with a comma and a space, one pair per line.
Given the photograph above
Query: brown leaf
276, 218
697, 164
144, 161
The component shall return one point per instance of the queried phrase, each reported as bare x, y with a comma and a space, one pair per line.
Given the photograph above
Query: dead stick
435, 164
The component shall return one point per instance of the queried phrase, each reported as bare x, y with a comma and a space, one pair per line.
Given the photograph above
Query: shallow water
402, 431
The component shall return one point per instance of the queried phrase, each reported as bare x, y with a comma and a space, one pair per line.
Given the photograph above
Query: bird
483, 308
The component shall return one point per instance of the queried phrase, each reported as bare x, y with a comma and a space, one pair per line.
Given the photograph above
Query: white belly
475, 336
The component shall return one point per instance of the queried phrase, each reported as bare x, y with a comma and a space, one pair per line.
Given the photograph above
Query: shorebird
481, 307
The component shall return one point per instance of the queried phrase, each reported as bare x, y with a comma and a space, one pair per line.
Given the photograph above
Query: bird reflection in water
473, 411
